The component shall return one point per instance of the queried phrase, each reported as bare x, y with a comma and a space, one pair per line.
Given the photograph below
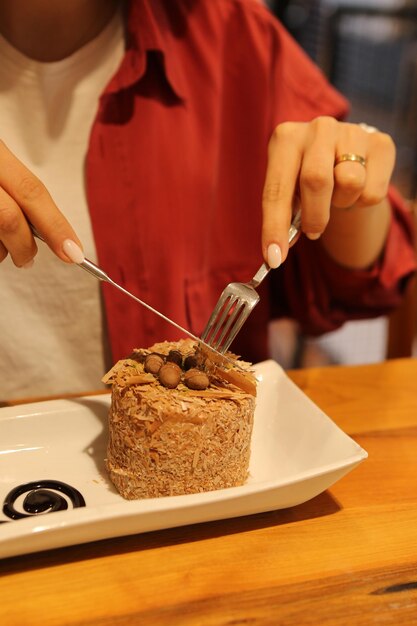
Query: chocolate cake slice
179, 423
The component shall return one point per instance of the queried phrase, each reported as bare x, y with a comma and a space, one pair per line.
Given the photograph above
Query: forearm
355, 237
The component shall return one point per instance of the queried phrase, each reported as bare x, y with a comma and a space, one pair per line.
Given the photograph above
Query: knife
101, 275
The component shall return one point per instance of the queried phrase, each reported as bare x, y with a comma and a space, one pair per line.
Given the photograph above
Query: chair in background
368, 52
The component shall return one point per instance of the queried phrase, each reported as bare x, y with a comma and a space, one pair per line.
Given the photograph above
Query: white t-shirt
51, 318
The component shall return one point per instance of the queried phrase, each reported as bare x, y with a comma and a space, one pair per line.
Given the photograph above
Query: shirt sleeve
321, 295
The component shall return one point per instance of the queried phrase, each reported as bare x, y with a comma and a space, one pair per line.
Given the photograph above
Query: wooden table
349, 556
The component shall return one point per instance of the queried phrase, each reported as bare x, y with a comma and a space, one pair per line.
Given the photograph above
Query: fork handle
263, 271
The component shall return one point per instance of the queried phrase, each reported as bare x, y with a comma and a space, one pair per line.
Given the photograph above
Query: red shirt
175, 171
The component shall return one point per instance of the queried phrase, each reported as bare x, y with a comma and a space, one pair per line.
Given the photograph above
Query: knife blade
102, 276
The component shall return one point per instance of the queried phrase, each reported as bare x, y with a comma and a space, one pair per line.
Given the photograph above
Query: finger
15, 235
316, 176
350, 176
284, 159
380, 165
3, 252
350, 179
33, 198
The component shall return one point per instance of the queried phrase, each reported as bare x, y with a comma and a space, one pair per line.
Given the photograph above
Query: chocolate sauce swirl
41, 499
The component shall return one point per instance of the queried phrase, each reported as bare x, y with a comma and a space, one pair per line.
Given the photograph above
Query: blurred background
368, 50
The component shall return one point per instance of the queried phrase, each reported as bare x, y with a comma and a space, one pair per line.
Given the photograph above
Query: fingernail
274, 255
73, 251
28, 265
313, 236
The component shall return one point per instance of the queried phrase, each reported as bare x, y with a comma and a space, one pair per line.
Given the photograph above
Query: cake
180, 421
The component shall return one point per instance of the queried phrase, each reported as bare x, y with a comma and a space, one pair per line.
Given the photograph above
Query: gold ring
350, 157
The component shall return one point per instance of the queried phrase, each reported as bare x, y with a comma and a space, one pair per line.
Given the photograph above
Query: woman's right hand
24, 198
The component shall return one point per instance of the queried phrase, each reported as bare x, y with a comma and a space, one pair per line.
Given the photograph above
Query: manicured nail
73, 251
313, 236
28, 265
274, 255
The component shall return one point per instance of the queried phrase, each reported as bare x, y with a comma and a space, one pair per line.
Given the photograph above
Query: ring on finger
350, 156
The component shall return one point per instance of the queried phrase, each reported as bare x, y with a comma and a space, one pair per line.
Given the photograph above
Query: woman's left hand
304, 172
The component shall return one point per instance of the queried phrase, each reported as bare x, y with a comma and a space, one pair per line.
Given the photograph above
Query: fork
236, 303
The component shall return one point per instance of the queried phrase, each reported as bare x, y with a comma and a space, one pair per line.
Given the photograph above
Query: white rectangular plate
297, 452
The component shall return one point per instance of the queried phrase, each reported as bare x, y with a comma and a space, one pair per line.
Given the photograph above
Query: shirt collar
150, 27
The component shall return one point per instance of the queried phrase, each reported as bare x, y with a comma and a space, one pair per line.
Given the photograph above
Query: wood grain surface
349, 556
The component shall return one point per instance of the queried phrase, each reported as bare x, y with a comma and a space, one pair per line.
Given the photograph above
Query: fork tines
227, 318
